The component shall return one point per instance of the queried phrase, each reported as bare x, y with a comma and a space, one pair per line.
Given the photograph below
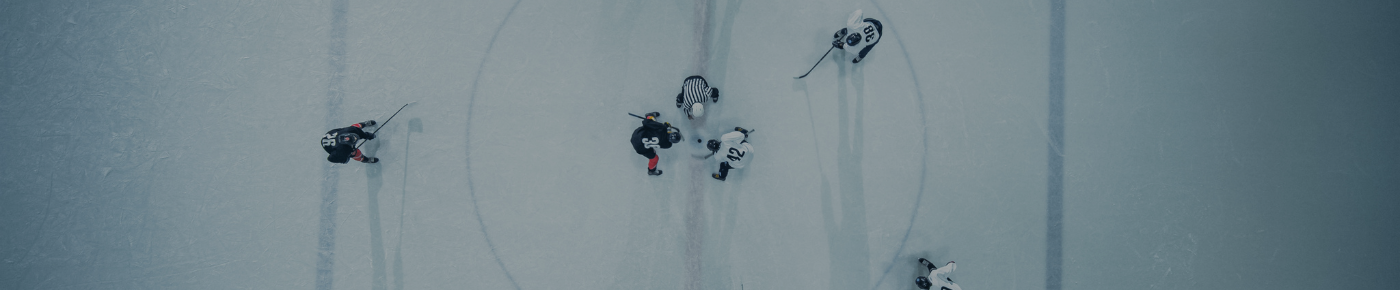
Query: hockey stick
638, 117
386, 122
712, 153
814, 66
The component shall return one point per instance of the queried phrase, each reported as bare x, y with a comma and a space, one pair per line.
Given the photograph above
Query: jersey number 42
735, 154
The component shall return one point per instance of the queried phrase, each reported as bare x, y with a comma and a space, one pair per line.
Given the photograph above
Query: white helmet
697, 110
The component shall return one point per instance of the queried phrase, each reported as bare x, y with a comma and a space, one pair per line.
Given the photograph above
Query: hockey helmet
923, 282
713, 145
674, 135
697, 110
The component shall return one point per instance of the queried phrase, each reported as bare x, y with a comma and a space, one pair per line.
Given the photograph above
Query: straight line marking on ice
1054, 213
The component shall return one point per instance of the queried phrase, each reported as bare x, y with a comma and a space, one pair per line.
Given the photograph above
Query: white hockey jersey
939, 278
734, 149
860, 35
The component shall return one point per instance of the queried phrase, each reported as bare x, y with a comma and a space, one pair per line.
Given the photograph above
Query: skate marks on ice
374, 179
694, 226
848, 234
471, 188
415, 125
1054, 212
722, 43
330, 177
923, 130
695, 195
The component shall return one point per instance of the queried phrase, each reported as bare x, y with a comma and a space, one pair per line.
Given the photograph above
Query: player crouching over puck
937, 279
695, 92
340, 143
732, 150
652, 135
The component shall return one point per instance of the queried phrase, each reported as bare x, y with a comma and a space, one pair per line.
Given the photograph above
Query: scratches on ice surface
923, 130
471, 189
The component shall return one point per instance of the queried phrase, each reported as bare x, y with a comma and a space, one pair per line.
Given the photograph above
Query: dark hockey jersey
340, 143
651, 134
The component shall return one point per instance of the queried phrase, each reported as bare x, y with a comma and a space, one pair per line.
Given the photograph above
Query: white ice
173, 144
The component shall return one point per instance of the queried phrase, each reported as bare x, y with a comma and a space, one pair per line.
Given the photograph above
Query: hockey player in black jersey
859, 36
695, 93
340, 143
652, 135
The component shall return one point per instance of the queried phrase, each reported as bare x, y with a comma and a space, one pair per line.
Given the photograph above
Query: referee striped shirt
694, 91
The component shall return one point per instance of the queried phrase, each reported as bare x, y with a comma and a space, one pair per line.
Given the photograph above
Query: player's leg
362, 158
652, 159
723, 171
863, 51
927, 264
364, 124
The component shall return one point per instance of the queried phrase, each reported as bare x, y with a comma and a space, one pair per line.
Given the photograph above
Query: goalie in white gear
859, 36
937, 278
695, 92
732, 151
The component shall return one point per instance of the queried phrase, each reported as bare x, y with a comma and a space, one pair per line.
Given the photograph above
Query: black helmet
923, 282
674, 134
713, 145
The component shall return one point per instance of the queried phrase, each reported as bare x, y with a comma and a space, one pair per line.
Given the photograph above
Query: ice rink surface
1205, 144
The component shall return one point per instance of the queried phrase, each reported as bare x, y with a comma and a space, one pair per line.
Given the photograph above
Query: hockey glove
836, 38
369, 136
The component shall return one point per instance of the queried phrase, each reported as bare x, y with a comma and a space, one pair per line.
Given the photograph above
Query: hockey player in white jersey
859, 36
732, 151
695, 93
937, 278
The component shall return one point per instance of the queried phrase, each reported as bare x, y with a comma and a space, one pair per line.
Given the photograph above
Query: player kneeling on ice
652, 135
340, 143
937, 277
859, 36
732, 150
695, 93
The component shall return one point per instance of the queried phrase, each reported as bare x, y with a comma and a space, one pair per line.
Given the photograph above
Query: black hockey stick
712, 153
386, 122
638, 117
819, 61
